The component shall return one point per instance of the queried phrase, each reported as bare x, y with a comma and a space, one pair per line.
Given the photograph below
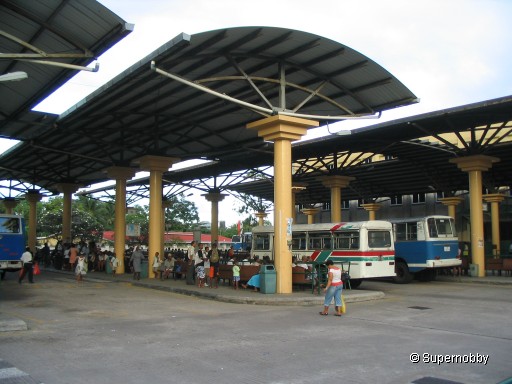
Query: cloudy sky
448, 53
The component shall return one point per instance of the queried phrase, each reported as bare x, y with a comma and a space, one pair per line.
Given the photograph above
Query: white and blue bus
366, 246
12, 243
242, 242
424, 244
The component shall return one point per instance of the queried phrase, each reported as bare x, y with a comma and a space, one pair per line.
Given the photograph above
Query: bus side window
412, 231
341, 242
401, 231
354, 242
261, 242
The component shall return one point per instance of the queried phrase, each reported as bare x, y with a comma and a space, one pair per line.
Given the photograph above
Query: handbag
343, 308
37, 271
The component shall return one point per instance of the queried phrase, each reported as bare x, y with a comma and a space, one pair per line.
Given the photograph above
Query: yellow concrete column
156, 165
282, 130
10, 203
261, 216
474, 165
371, 208
336, 182
451, 202
311, 212
214, 198
67, 190
296, 188
495, 199
120, 175
32, 197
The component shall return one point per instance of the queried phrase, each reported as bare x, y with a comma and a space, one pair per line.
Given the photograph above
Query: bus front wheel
403, 275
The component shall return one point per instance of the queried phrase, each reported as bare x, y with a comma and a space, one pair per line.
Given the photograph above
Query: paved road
104, 332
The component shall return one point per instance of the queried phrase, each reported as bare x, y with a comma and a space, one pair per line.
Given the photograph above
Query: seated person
254, 282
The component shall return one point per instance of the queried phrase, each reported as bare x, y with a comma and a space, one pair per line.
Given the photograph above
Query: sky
447, 52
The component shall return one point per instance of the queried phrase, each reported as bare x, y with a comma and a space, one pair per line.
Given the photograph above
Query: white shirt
26, 257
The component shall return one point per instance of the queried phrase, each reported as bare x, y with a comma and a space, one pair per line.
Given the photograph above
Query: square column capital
494, 198
475, 163
214, 197
120, 173
280, 127
67, 188
336, 181
157, 163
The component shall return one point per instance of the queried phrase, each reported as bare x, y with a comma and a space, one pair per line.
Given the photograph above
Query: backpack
215, 256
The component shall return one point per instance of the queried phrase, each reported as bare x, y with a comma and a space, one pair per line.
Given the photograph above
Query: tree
181, 214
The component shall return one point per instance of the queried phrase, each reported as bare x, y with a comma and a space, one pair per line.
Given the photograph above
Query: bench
178, 275
494, 265
301, 277
507, 266
246, 272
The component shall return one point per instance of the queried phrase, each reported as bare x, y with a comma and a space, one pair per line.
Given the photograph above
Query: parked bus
242, 242
367, 245
12, 243
424, 244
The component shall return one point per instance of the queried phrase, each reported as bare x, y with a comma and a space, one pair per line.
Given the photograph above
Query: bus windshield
9, 225
441, 227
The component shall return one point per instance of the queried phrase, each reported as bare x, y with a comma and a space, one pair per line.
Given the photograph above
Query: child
236, 274
156, 264
80, 269
113, 264
200, 275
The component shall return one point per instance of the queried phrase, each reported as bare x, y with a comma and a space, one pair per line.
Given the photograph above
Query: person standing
156, 265
80, 270
236, 274
114, 263
214, 266
191, 254
27, 260
333, 289
207, 255
73, 255
136, 260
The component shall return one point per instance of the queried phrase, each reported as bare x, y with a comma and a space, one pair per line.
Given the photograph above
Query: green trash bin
108, 267
144, 269
268, 279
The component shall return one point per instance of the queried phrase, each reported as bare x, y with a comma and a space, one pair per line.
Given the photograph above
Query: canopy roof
406, 156
49, 41
143, 111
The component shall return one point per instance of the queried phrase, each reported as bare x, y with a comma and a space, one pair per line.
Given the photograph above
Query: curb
270, 299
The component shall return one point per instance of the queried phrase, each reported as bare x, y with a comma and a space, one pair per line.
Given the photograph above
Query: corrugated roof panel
56, 27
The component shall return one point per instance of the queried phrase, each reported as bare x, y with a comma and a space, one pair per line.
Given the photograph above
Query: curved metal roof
50, 41
413, 155
142, 111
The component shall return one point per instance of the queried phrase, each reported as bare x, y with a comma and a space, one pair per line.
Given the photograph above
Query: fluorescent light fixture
14, 76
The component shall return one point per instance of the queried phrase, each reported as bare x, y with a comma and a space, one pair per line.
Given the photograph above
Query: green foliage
181, 214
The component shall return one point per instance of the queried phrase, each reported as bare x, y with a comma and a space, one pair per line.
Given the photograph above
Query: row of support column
282, 130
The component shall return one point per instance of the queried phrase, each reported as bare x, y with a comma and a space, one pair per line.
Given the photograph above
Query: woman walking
136, 259
333, 289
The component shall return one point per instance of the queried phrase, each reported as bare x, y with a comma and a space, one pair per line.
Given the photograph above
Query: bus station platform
300, 296
225, 293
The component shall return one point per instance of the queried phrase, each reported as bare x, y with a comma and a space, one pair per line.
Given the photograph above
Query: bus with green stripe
366, 246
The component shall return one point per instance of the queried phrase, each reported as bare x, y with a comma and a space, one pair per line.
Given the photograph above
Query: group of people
202, 269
